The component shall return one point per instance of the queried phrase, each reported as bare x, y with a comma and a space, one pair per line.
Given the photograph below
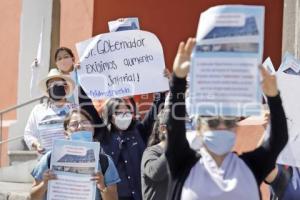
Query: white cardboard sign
121, 64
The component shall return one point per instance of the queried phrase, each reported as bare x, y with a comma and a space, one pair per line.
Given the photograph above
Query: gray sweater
154, 174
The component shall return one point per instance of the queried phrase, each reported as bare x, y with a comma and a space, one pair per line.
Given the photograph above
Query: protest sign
121, 64
50, 133
125, 24
288, 83
224, 77
268, 65
73, 162
290, 65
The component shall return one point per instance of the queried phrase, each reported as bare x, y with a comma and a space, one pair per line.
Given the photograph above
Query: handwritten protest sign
121, 64
224, 73
73, 162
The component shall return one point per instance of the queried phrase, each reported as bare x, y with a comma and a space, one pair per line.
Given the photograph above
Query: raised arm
86, 103
263, 159
150, 117
178, 152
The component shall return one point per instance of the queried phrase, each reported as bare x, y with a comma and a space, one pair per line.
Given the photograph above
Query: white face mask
65, 64
122, 122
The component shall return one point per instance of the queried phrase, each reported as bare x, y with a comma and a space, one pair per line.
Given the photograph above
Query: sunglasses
214, 122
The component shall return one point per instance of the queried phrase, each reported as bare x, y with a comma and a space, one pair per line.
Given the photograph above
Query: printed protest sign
131, 23
73, 163
288, 81
267, 64
121, 64
224, 77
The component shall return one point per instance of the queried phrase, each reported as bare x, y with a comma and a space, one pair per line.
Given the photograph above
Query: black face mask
57, 92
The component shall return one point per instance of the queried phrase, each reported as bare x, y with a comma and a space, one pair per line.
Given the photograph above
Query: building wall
9, 50
173, 21
76, 22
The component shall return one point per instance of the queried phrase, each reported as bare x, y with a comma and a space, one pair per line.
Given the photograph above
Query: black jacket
181, 158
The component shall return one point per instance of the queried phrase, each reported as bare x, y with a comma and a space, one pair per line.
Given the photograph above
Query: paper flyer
125, 24
73, 162
224, 75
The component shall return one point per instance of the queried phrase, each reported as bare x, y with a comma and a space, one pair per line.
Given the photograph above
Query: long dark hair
81, 112
69, 51
157, 136
109, 109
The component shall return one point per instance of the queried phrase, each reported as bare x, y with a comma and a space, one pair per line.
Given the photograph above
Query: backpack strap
103, 159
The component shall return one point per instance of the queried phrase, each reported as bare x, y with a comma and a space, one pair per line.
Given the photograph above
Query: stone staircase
16, 179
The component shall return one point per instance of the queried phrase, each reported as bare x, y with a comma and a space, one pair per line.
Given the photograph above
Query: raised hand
48, 175
269, 83
182, 59
98, 177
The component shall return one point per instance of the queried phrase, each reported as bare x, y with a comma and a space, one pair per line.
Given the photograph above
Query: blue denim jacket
126, 150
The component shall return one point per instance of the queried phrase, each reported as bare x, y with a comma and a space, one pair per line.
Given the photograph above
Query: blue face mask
85, 136
219, 142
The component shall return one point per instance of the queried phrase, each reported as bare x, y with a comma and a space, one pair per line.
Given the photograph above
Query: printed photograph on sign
124, 24
74, 157
224, 75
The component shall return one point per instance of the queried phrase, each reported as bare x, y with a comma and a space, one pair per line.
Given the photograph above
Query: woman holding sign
216, 173
78, 126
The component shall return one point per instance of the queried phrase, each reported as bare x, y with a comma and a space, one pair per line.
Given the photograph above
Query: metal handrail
11, 139
2, 112
22, 105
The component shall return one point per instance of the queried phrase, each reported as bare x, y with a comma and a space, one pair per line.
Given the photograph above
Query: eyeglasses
83, 123
214, 122
123, 114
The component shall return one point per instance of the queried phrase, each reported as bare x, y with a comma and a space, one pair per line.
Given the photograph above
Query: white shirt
233, 180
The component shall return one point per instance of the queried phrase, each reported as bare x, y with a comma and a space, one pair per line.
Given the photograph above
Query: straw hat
54, 73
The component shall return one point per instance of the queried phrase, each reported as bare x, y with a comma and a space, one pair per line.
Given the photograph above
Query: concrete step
16, 181
15, 191
18, 173
20, 156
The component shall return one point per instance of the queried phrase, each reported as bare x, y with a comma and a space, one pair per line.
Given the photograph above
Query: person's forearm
38, 191
279, 132
178, 148
110, 194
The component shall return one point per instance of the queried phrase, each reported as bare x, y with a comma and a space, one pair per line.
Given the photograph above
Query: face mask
86, 136
57, 92
219, 142
65, 64
123, 122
